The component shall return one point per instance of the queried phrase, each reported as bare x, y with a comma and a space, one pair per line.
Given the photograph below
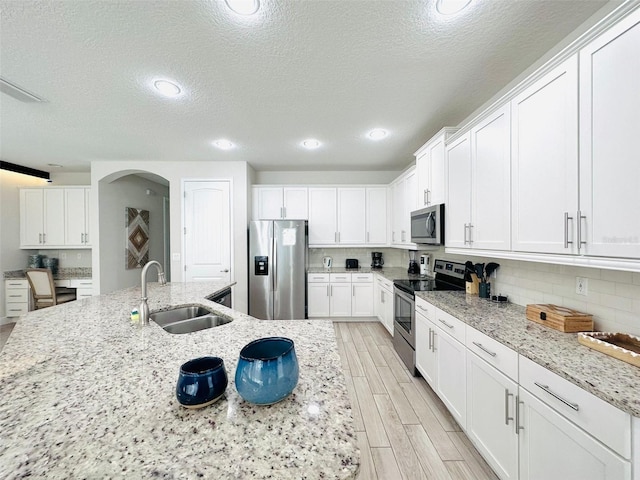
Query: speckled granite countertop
63, 273
390, 273
87, 394
612, 380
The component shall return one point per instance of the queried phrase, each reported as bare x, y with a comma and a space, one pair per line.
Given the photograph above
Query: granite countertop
62, 274
612, 380
87, 394
390, 273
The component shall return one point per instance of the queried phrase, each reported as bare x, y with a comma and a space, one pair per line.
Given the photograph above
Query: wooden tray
622, 346
560, 318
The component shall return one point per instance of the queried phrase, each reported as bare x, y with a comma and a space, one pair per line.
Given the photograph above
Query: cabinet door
376, 216
425, 349
398, 211
458, 205
451, 376
322, 216
31, 217
340, 304
295, 203
609, 126
410, 204
491, 204
362, 301
437, 191
388, 310
74, 217
351, 215
268, 202
491, 416
377, 301
545, 162
54, 217
423, 179
318, 300
87, 216
553, 447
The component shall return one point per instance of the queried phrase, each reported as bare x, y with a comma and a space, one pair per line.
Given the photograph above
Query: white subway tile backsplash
636, 278
627, 290
602, 286
617, 276
614, 301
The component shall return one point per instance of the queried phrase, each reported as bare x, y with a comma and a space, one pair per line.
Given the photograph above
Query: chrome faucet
144, 308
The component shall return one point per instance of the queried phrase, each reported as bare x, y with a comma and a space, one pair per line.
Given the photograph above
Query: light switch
175, 257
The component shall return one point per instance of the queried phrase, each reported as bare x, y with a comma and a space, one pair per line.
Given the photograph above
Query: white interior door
207, 234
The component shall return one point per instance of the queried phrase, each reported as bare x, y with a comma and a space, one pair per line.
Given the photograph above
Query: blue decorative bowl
267, 370
201, 382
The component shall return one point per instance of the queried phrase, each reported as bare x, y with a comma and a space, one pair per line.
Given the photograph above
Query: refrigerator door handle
274, 266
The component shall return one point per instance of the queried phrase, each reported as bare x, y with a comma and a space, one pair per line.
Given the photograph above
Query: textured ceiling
308, 68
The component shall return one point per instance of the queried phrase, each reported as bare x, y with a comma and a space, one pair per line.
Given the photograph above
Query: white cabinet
458, 206
42, 218
351, 225
340, 294
426, 354
403, 203
362, 295
76, 217
609, 126
383, 301
451, 374
478, 205
553, 447
323, 216
17, 297
431, 168
83, 287
289, 203
376, 222
544, 122
318, 299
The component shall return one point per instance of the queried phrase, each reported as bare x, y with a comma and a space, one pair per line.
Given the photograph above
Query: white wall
11, 256
59, 178
332, 178
176, 172
115, 197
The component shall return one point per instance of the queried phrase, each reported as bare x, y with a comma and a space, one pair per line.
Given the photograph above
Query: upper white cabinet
76, 217
323, 216
351, 227
403, 203
42, 218
609, 126
376, 224
288, 203
458, 206
544, 122
430, 169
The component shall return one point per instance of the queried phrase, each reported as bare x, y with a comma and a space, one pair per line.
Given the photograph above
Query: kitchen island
88, 394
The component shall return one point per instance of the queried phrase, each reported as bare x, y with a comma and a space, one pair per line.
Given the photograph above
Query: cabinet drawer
318, 278
493, 352
340, 278
81, 283
16, 309
383, 282
62, 283
426, 309
11, 284
450, 324
362, 277
602, 420
17, 295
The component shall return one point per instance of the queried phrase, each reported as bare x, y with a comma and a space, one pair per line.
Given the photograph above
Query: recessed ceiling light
377, 134
310, 143
54, 165
167, 88
243, 7
449, 7
223, 144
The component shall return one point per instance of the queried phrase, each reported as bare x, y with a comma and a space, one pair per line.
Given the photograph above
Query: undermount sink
187, 319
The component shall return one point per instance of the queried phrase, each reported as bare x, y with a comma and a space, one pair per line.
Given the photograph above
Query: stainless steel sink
187, 319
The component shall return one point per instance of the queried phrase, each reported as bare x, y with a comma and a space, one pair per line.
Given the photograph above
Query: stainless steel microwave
427, 225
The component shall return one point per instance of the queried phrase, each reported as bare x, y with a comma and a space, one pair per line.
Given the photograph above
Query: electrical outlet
63, 256
581, 286
79, 256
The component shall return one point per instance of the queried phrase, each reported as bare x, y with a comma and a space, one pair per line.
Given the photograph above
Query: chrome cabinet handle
367, 237
281, 212
546, 388
402, 236
353, 290
39, 238
445, 323
430, 339
481, 347
517, 424
433, 343
86, 238
567, 242
44, 238
580, 241
82, 238
284, 212
428, 197
331, 290
465, 233
506, 406
226, 270
470, 234
422, 308
393, 236
424, 197
328, 294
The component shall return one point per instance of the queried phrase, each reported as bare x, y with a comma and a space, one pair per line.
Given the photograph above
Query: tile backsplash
392, 257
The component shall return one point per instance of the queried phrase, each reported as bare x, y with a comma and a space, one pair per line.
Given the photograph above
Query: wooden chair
43, 289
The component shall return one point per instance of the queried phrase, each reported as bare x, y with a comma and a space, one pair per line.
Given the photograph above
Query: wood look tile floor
404, 430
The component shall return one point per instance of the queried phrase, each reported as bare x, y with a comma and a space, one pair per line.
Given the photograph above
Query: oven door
404, 316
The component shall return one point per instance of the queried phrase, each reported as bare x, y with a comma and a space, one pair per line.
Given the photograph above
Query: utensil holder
472, 286
484, 290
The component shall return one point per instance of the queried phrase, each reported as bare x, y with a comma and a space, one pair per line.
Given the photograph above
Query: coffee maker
413, 264
376, 260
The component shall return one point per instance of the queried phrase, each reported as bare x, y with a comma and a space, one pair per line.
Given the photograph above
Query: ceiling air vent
17, 92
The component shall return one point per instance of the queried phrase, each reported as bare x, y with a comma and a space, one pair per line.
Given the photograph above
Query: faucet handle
161, 278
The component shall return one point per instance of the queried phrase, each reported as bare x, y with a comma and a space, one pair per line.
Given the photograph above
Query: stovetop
449, 276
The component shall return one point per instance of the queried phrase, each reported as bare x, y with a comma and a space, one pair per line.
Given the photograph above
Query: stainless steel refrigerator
278, 269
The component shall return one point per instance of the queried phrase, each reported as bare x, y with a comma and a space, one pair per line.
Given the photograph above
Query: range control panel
261, 265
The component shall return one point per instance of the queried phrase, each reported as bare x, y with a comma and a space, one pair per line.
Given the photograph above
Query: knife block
472, 286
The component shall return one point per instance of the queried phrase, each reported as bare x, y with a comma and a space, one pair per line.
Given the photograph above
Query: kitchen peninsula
87, 394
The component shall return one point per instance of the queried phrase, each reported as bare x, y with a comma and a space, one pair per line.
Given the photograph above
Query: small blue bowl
267, 370
201, 382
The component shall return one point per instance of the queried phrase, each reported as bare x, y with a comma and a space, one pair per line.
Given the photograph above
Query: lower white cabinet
451, 375
553, 447
383, 302
362, 295
491, 407
340, 299
340, 295
17, 296
426, 355
318, 299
